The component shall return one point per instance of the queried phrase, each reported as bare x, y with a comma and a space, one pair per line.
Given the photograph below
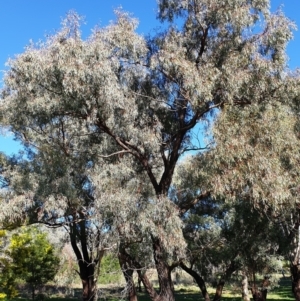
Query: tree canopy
106, 120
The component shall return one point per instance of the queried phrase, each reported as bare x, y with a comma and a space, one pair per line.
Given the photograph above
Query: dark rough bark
166, 292
88, 266
199, 280
89, 286
295, 272
166, 287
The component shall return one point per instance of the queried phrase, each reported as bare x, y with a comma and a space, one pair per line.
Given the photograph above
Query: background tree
33, 258
226, 238
258, 163
7, 279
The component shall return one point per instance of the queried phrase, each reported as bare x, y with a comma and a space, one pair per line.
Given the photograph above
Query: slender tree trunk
125, 257
199, 280
139, 284
33, 292
166, 292
230, 269
260, 294
148, 286
201, 283
219, 290
295, 262
245, 290
128, 275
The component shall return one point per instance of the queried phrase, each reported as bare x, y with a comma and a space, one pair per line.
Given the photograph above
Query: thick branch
184, 207
199, 280
76, 250
132, 149
202, 46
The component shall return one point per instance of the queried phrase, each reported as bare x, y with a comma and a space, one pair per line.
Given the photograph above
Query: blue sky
25, 20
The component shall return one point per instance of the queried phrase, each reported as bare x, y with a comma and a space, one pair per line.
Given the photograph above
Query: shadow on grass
281, 293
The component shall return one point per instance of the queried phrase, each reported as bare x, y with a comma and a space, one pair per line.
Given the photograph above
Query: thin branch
114, 154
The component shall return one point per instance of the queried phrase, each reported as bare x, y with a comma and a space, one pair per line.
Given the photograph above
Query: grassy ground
283, 292
191, 293
183, 293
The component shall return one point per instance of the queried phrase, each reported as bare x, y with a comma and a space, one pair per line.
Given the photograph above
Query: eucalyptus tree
259, 163
259, 245
120, 97
47, 190
226, 237
209, 260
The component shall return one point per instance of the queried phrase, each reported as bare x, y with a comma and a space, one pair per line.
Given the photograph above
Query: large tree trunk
166, 287
166, 292
89, 286
295, 272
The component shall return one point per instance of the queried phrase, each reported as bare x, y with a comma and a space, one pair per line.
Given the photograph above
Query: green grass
191, 293
283, 292
184, 293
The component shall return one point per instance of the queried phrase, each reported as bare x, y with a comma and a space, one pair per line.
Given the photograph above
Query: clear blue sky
22, 21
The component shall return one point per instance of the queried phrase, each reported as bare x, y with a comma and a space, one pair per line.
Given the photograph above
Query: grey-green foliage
257, 242
109, 117
86, 88
230, 237
261, 157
